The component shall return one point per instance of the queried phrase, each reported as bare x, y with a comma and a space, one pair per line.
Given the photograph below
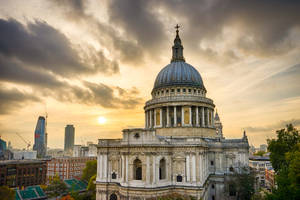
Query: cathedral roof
178, 72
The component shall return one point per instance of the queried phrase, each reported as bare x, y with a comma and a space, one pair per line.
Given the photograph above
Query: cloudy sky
80, 60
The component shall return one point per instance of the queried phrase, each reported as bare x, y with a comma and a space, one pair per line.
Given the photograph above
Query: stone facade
181, 149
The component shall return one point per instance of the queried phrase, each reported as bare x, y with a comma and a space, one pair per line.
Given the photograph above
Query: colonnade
178, 116
196, 169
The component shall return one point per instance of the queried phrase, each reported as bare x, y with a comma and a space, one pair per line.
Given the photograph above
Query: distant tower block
69, 138
40, 138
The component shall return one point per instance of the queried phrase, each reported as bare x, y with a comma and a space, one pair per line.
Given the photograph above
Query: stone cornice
179, 99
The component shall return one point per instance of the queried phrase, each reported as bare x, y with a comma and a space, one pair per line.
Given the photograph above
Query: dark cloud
273, 127
139, 20
13, 99
41, 46
123, 47
264, 26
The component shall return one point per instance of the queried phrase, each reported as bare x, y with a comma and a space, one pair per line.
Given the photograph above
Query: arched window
162, 169
113, 197
137, 169
113, 175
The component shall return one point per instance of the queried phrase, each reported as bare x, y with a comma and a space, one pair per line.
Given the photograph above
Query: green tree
92, 187
6, 193
56, 187
259, 153
286, 141
89, 170
285, 158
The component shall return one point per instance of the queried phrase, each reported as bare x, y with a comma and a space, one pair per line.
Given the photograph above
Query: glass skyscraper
40, 137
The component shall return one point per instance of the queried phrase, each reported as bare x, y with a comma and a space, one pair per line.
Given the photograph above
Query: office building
69, 138
40, 138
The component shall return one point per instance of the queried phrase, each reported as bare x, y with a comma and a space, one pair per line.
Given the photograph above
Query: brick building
270, 178
67, 167
22, 173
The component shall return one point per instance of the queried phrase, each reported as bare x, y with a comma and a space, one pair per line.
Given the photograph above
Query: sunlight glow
102, 120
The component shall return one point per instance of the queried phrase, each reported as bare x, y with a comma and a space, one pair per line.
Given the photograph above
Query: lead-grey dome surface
178, 74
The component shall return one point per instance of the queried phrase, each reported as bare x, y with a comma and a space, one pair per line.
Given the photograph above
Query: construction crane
26, 142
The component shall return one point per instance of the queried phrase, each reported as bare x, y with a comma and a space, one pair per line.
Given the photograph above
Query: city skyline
93, 64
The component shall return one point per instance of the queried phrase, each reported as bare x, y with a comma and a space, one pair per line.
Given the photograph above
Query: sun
102, 120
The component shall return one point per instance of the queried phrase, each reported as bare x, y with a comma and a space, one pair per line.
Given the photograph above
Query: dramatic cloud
42, 58
39, 45
272, 127
124, 47
13, 99
258, 27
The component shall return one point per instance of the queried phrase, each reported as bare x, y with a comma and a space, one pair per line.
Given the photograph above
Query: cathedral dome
178, 73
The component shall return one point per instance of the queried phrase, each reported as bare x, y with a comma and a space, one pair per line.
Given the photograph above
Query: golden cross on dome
177, 27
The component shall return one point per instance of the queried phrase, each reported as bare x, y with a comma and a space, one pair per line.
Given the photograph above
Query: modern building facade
179, 150
24, 155
68, 167
40, 137
22, 173
2, 149
259, 164
69, 138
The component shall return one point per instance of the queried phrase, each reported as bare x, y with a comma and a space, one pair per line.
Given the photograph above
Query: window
232, 190
195, 91
211, 163
113, 175
179, 178
167, 91
190, 90
199, 91
178, 90
172, 90
113, 197
231, 169
137, 136
162, 169
183, 89
213, 186
137, 169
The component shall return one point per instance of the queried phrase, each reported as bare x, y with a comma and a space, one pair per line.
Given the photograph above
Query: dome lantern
177, 49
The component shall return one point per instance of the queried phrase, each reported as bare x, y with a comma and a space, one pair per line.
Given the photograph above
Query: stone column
146, 121
154, 170
190, 109
203, 120
188, 175
175, 117
197, 116
194, 168
105, 167
99, 167
154, 118
213, 118
123, 168
147, 169
151, 122
182, 116
207, 116
201, 168
160, 117
126, 166
168, 117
